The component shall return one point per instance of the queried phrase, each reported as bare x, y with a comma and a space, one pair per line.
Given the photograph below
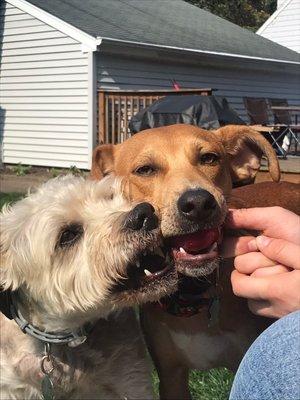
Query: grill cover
208, 112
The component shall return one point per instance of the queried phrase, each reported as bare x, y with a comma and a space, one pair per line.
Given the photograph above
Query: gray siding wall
44, 93
234, 82
285, 28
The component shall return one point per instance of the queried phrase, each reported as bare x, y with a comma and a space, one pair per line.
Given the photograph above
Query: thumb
279, 250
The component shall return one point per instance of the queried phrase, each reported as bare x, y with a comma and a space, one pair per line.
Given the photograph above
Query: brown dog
187, 174
267, 194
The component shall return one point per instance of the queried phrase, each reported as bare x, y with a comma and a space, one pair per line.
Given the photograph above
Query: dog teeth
148, 273
181, 249
214, 246
138, 264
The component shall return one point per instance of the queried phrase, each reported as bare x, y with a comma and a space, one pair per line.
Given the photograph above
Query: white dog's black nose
142, 217
197, 204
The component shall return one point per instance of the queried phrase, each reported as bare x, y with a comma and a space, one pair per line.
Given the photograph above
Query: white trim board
92, 105
215, 53
272, 17
57, 23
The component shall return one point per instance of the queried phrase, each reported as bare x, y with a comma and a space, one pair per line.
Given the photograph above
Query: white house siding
285, 27
232, 82
44, 93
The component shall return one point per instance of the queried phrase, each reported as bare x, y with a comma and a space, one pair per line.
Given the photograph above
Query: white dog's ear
245, 147
103, 161
10, 275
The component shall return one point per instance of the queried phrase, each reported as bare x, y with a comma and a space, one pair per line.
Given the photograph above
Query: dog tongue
195, 241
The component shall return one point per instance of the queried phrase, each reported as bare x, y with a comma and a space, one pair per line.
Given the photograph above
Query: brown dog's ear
102, 162
245, 147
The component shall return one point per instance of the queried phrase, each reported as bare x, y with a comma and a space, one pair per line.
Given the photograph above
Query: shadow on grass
209, 385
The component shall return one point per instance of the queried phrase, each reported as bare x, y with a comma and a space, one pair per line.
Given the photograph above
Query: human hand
267, 267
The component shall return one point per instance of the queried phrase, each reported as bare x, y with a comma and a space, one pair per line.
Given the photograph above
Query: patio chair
257, 110
283, 119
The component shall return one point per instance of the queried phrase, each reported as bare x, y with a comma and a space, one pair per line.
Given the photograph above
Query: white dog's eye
70, 234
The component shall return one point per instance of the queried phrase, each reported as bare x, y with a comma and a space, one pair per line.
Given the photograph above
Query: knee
269, 369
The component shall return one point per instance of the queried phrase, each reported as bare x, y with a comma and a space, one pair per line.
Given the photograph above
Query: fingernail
262, 241
252, 246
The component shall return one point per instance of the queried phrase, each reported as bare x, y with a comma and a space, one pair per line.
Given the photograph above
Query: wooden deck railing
116, 107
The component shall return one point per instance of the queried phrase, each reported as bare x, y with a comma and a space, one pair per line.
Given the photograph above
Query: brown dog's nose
197, 204
142, 217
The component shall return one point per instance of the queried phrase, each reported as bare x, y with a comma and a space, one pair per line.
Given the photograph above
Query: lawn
211, 385
9, 198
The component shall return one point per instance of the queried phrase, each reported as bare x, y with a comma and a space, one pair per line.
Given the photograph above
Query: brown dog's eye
70, 234
209, 158
145, 170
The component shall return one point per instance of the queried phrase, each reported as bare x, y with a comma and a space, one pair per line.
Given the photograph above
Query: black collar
9, 307
5, 302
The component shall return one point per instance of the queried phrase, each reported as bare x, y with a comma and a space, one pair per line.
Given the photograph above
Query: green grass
9, 198
210, 385
20, 169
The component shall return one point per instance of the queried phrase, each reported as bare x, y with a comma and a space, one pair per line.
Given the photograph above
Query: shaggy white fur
63, 249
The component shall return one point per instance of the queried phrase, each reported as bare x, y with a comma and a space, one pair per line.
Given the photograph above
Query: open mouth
194, 249
196, 252
151, 265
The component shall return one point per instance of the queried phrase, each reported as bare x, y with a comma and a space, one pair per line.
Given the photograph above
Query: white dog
73, 255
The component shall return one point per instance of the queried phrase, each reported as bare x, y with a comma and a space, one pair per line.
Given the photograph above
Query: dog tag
47, 388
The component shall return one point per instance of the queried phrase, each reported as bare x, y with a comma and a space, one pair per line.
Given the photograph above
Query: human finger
279, 250
267, 271
263, 308
249, 262
249, 286
234, 246
276, 222
282, 295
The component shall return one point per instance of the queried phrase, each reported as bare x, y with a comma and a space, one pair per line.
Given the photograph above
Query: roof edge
272, 17
87, 40
91, 43
142, 44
